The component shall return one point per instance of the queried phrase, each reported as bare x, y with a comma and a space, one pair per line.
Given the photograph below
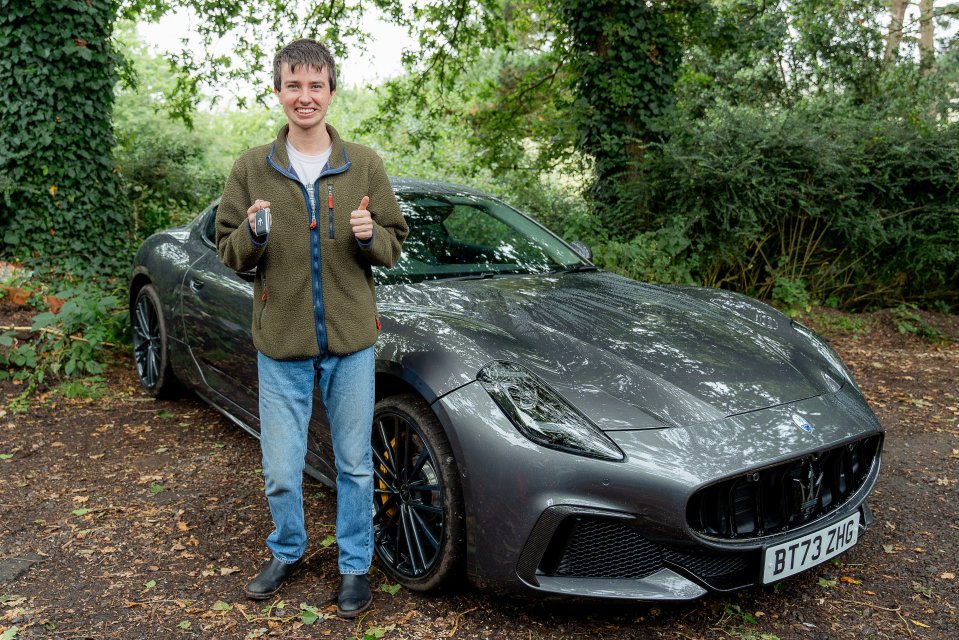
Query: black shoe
355, 596
270, 579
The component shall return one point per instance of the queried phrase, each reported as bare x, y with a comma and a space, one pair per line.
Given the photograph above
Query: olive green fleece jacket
313, 292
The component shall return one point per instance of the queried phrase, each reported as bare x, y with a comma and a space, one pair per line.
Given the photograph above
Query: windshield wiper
577, 268
472, 276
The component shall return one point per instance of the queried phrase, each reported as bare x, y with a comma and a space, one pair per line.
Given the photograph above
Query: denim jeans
286, 404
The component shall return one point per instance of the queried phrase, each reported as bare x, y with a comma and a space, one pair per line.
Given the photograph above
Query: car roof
414, 185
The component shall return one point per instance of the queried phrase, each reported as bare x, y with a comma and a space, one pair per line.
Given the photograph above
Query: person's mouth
306, 111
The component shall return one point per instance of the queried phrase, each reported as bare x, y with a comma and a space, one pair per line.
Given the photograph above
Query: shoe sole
262, 596
349, 615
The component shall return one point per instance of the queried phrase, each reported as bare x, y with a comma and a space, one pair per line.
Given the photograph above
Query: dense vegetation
803, 151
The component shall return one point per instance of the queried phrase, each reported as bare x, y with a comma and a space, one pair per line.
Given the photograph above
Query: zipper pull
329, 196
313, 220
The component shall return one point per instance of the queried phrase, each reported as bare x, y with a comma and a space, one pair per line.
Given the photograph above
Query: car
545, 426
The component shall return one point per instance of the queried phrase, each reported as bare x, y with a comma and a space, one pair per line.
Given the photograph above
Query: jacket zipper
329, 204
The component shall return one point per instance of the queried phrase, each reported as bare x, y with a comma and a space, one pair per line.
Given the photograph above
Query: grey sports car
545, 426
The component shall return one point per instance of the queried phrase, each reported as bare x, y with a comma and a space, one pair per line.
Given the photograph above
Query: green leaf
10, 633
308, 614
219, 605
149, 584
5, 456
824, 582
164, 415
81, 512
185, 624
327, 541
391, 589
156, 488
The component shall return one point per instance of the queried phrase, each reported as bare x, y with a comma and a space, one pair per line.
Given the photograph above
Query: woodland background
805, 152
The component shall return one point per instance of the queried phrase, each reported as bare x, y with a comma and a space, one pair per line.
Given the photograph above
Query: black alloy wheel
150, 342
418, 506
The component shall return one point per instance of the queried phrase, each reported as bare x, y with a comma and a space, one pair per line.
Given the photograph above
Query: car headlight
827, 353
542, 415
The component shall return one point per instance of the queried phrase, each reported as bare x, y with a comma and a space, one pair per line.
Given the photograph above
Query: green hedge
848, 207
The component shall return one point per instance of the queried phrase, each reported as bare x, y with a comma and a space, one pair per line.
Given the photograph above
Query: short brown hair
305, 52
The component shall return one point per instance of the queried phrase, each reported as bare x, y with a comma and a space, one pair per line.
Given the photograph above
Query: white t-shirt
307, 168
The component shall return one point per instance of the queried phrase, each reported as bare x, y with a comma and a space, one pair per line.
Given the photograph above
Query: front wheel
150, 353
417, 503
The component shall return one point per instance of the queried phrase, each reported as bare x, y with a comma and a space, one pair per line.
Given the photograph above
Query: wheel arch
391, 380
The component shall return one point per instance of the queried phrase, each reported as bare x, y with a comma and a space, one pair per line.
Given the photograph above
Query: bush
857, 206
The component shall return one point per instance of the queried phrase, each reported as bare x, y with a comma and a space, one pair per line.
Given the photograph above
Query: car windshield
469, 236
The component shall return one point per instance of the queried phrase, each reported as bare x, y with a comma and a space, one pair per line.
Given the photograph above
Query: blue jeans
286, 405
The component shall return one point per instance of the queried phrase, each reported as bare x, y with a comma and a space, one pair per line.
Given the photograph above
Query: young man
333, 216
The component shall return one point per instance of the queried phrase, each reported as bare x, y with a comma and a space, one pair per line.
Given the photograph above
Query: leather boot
355, 596
270, 579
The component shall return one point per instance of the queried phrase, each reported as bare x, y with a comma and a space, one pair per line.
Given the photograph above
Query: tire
418, 516
150, 352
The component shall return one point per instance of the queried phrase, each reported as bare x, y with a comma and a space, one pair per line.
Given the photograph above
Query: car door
217, 307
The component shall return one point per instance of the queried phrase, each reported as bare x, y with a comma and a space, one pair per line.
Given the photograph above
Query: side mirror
582, 250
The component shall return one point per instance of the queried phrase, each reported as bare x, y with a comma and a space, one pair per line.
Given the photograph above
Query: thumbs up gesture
361, 221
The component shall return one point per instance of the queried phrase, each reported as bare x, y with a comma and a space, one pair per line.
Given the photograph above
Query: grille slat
771, 500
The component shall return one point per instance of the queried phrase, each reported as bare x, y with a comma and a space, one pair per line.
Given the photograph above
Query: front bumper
551, 522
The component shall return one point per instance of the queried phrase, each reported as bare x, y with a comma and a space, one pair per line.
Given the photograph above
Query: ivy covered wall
62, 205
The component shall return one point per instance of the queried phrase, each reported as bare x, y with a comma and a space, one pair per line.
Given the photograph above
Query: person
333, 216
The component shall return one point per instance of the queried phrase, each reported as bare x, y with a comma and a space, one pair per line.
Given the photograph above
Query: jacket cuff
262, 239
366, 244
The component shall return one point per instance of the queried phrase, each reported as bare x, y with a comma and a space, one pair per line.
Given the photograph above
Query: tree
60, 195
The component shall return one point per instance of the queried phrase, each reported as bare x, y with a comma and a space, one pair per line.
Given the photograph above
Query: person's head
304, 78
304, 53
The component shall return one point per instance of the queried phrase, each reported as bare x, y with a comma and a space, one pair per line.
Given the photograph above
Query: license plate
797, 555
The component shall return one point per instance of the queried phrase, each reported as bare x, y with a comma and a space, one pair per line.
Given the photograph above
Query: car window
209, 229
470, 236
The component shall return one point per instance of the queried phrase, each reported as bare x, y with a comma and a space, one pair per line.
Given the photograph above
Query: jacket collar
279, 159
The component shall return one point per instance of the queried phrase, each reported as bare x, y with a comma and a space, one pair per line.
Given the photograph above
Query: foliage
68, 345
625, 58
821, 201
908, 320
57, 185
167, 169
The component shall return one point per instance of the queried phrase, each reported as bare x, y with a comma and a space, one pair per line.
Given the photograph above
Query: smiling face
305, 96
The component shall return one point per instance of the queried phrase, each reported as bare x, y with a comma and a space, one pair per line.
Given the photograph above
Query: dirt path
124, 517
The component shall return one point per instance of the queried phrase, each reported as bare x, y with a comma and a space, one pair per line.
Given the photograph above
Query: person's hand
361, 221
251, 212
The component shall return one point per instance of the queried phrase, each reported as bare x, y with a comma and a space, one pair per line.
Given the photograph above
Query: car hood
629, 355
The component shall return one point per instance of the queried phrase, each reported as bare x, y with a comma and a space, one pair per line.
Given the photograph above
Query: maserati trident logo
807, 488
802, 423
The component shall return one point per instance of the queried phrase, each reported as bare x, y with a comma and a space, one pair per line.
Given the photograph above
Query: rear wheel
418, 504
150, 353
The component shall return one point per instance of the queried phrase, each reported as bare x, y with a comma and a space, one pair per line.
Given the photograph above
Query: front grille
587, 547
775, 499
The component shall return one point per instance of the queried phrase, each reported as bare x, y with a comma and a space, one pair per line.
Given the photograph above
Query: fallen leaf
848, 580
948, 575
919, 624
80, 512
823, 582
225, 571
219, 605
185, 624
327, 541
